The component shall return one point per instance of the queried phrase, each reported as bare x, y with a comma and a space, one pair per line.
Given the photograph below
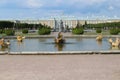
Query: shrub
98, 30
1, 31
119, 30
44, 31
77, 31
25, 31
9, 32
114, 31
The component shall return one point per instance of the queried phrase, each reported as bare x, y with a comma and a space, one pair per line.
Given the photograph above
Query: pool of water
47, 44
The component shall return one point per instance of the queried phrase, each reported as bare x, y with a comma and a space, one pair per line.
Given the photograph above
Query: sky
36, 9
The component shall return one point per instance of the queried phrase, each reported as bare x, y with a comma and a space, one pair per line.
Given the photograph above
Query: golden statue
99, 37
59, 38
115, 43
20, 38
3, 43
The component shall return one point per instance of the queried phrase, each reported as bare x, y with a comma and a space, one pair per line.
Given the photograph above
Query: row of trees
13, 25
6, 24
105, 26
9, 28
114, 27
9, 24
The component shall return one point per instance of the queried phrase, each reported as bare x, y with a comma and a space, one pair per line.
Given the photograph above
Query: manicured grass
36, 34
94, 33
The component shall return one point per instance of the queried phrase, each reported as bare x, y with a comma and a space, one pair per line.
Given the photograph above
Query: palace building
63, 21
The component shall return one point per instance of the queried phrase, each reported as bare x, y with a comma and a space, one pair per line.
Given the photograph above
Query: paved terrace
60, 67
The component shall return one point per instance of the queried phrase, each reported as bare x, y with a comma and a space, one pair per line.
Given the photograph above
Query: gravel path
60, 67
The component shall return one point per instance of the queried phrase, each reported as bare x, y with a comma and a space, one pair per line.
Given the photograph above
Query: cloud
22, 3
110, 8
33, 3
85, 2
56, 3
58, 7
50, 3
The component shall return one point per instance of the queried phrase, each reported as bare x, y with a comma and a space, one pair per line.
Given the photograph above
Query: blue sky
35, 9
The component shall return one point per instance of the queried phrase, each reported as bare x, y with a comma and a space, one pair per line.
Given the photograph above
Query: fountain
4, 44
60, 39
20, 38
47, 44
115, 43
99, 37
59, 25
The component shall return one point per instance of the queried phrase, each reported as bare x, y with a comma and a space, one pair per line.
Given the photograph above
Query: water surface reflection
47, 44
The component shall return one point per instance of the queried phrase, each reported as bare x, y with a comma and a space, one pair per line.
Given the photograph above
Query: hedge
25, 31
98, 30
1, 31
9, 32
77, 31
114, 31
44, 31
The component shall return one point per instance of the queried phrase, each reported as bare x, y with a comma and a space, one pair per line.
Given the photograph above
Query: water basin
47, 44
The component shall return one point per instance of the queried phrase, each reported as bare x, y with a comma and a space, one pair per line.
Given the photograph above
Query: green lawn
36, 34
94, 33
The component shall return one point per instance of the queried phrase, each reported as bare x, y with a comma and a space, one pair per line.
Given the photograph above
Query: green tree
6, 24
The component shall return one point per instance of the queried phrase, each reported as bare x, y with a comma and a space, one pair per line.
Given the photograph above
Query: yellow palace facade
71, 22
